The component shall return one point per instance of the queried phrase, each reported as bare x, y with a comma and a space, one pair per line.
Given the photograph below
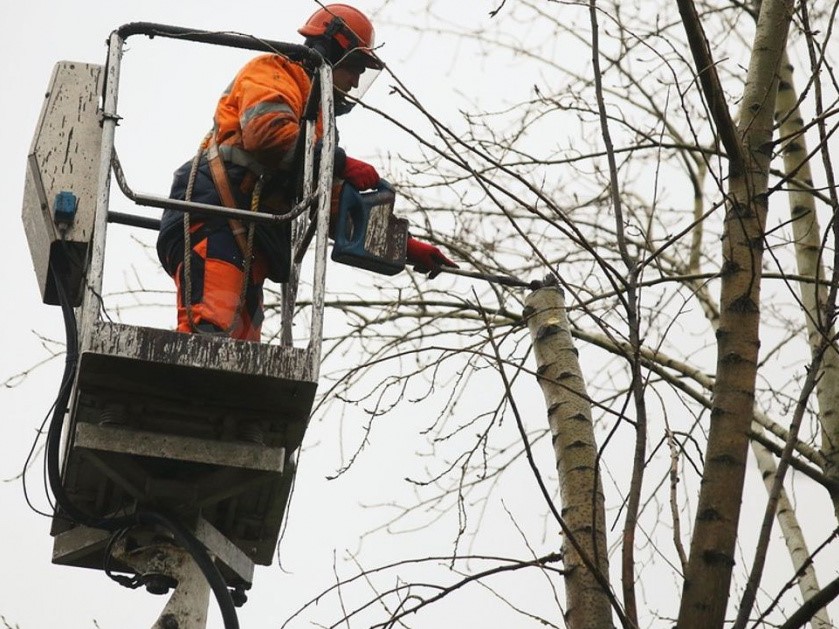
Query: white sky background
167, 97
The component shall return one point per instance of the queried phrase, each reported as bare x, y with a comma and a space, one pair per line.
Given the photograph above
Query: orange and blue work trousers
215, 282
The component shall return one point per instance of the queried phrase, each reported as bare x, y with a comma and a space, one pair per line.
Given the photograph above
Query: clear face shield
352, 76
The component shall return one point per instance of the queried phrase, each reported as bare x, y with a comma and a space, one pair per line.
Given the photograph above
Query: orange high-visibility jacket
258, 116
256, 125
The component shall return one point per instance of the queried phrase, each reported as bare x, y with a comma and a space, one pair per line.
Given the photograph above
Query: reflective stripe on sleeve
261, 109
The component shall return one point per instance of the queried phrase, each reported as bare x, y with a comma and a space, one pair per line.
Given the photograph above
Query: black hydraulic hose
296, 52
132, 220
142, 517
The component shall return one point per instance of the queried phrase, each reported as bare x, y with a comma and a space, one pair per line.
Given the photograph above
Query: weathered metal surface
224, 550
387, 235
245, 506
76, 543
201, 426
328, 143
197, 350
128, 477
178, 448
64, 157
258, 539
187, 377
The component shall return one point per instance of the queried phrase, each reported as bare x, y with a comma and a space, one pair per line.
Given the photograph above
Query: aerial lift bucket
201, 427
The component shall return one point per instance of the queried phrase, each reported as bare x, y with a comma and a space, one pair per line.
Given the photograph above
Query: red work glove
360, 174
426, 258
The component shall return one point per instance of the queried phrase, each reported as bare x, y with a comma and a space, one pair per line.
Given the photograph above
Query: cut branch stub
575, 449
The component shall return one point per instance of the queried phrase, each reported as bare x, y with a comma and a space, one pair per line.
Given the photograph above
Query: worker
257, 123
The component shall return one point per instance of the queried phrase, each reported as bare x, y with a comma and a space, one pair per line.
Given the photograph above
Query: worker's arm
270, 94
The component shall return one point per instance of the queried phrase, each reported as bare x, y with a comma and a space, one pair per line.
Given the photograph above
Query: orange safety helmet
348, 27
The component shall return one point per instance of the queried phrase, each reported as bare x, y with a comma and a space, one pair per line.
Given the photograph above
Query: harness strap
209, 149
225, 192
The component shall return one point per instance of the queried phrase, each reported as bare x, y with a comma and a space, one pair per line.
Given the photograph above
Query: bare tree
624, 172
708, 573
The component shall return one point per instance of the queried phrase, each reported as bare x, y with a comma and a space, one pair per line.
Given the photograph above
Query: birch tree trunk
708, 575
581, 492
808, 247
808, 583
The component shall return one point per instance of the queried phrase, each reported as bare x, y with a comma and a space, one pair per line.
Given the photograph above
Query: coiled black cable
183, 537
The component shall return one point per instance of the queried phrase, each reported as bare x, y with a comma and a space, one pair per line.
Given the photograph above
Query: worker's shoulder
276, 61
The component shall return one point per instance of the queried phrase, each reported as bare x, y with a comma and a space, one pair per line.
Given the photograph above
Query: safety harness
209, 150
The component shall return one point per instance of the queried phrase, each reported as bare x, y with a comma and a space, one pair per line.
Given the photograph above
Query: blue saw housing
367, 234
